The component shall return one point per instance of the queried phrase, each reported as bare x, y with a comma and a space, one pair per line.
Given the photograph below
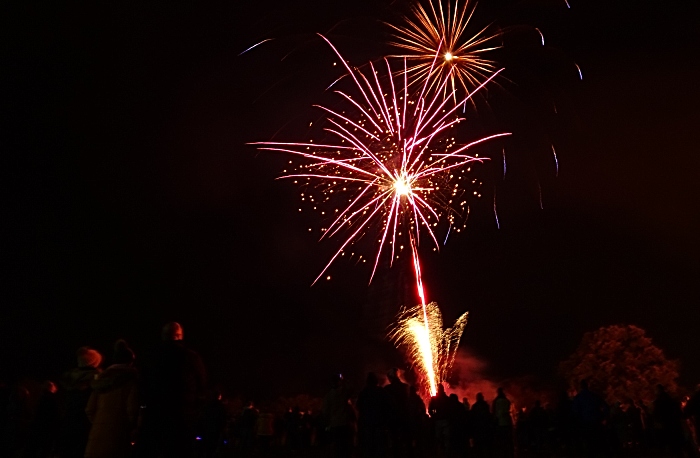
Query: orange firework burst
388, 164
431, 347
442, 31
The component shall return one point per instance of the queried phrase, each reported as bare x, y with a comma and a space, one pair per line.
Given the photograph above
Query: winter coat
76, 384
589, 408
175, 382
372, 406
113, 410
337, 410
501, 411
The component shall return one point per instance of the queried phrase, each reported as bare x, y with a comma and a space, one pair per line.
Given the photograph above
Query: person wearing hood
113, 407
76, 385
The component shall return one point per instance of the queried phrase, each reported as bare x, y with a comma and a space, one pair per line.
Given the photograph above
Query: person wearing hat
113, 407
76, 385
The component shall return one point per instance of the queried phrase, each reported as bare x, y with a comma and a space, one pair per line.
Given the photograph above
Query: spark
449, 228
256, 45
556, 162
495, 210
387, 164
441, 31
541, 35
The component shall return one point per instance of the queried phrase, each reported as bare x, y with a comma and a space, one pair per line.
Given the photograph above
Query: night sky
130, 197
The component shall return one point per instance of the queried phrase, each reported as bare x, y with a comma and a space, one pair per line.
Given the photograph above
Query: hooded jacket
113, 410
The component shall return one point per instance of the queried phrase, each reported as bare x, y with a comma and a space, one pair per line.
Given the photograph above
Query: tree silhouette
620, 363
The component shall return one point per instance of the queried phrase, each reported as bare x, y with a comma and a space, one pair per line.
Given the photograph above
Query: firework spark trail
256, 45
423, 338
388, 162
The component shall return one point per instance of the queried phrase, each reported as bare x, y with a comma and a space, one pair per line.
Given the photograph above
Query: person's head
49, 387
87, 357
372, 379
454, 398
584, 385
122, 353
440, 389
336, 380
500, 393
393, 374
479, 397
172, 331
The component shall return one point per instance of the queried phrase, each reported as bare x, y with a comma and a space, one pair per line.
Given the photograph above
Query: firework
391, 170
432, 348
388, 167
419, 331
442, 31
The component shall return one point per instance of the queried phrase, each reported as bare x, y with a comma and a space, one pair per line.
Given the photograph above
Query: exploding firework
442, 31
388, 166
431, 347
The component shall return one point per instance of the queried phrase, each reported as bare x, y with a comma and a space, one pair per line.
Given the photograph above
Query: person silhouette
113, 407
174, 396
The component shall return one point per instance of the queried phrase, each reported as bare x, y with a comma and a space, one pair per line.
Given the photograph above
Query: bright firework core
402, 187
449, 56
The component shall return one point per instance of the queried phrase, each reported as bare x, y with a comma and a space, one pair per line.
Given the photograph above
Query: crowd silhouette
164, 407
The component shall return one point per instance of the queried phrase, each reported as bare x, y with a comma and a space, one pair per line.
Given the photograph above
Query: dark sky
130, 198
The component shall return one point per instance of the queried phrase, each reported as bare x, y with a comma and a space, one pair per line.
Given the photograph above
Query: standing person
458, 426
668, 413
19, 416
504, 424
340, 418
213, 423
397, 418
539, 425
417, 420
692, 412
76, 385
371, 422
265, 432
590, 411
113, 407
482, 423
439, 408
174, 393
44, 426
247, 426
